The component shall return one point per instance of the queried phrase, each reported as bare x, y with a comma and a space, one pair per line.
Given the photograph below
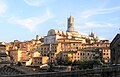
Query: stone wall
103, 72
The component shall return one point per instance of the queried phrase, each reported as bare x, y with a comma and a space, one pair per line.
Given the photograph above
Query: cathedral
71, 33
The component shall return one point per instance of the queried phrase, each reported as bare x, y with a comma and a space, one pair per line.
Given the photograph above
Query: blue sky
24, 19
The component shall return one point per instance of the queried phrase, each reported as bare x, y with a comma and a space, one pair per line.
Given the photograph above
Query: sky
24, 19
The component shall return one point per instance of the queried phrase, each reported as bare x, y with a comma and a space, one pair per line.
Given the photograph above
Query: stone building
115, 50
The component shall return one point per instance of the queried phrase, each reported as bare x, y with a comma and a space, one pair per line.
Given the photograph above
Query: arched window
51, 33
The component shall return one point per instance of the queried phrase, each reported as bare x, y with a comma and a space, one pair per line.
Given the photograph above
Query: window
44, 48
53, 54
77, 48
46, 41
114, 58
35, 61
51, 33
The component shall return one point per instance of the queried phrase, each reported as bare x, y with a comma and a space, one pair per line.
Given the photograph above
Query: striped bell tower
70, 25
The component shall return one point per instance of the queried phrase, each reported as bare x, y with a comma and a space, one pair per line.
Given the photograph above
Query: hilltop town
57, 48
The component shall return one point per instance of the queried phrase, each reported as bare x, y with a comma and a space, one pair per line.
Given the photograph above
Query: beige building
19, 55
62, 45
76, 48
80, 55
37, 59
23, 51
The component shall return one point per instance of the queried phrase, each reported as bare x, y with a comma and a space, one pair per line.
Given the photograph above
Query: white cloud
32, 22
93, 12
3, 7
37, 2
97, 25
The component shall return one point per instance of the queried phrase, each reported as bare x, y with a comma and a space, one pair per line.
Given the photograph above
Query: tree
76, 62
68, 61
59, 61
39, 51
86, 64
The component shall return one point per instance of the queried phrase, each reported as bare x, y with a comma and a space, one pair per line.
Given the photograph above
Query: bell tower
70, 25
